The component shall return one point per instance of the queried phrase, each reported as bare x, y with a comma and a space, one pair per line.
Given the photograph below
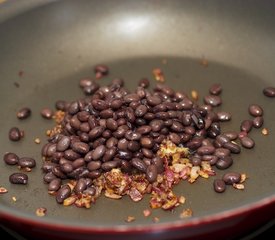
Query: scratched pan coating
47, 46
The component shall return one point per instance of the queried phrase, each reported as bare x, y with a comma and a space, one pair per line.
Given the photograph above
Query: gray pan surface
56, 44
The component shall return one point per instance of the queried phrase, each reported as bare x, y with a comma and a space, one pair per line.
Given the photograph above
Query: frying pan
47, 46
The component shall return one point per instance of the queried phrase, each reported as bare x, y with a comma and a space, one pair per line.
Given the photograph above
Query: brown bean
258, 122
224, 163
151, 173
246, 125
269, 91
255, 110
15, 134
63, 193
26, 162
23, 113
219, 185
18, 178
99, 152
247, 142
10, 158
231, 177
55, 184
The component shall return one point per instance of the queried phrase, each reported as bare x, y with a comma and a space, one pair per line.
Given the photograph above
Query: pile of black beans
112, 127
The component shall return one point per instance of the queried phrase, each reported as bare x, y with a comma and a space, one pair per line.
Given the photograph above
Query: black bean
231, 135
63, 144
111, 124
269, 91
177, 127
258, 122
48, 177
222, 152
96, 132
224, 116
231, 177
153, 100
10, 158
186, 104
151, 173
205, 150
141, 110
90, 191
55, 184
80, 147
75, 123
63, 193
255, 110
47, 113
194, 143
197, 120
247, 142
175, 138
212, 159
147, 142
212, 100
156, 125
246, 125
144, 82
219, 185
109, 154
80, 186
133, 146
15, 134
132, 136
26, 162
214, 130
139, 164
71, 155
94, 165
66, 167
233, 147
99, 152
18, 178
111, 142
101, 69
215, 89
78, 163
196, 160
107, 166
23, 113
107, 113
222, 139
125, 154
61, 105
224, 163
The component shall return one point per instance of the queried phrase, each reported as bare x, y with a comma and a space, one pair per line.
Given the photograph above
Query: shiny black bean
151, 173
94, 174
18, 178
73, 108
205, 150
246, 125
83, 116
132, 136
233, 147
144, 82
99, 104
212, 159
80, 186
153, 100
71, 155
78, 163
99, 152
131, 97
219, 185
58, 173
66, 167
94, 165
224, 116
63, 144
224, 163
258, 122
23, 113
196, 160
15, 134
10, 158
177, 127
147, 153
197, 120
194, 143
214, 130
255, 110
247, 142
222, 152
63, 193
47, 113
144, 129
55, 184
231, 135
107, 113
215, 89
109, 154
26, 162
231, 177
269, 91
139, 164
48, 177
156, 125
125, 154
80, 147
111, 142
175, 138
147, 142
222, 139
186, 104
90, 191
126, 166
141, 110
96, 132
75, 123
133, 146
107, 166
212, 100
111, 124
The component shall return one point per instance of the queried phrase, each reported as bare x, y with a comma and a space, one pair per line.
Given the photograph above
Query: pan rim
54, 224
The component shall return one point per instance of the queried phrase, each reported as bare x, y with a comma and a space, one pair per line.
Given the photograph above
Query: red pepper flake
41, 212
130, 219
3, 190
147, 212
158, 75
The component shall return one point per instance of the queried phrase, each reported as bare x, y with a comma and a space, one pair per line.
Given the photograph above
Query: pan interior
38, 67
